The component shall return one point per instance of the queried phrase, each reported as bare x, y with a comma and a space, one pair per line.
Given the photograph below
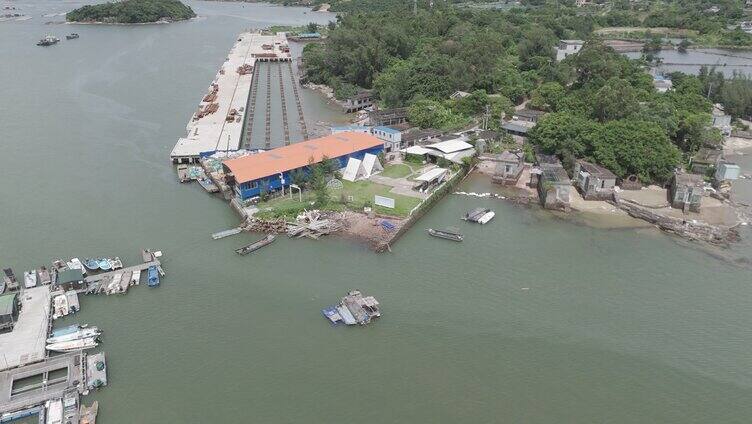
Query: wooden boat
256, 245
445, 234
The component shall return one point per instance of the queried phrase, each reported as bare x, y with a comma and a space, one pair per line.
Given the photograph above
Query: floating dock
217, 125
353, 309
13, 398
26, 342
96, 371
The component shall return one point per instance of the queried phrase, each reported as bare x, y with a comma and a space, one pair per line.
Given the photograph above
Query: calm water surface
532, 319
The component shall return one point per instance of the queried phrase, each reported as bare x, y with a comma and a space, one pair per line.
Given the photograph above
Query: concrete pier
218, 123
26, 342
94, 281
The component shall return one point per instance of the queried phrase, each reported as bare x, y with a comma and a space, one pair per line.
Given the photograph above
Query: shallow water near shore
531, 319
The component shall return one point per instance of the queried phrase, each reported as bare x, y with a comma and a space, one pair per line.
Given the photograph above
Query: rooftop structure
415, 136
217, 125
8, 310
272, 167
529, 115
686, 191
595, 181
662, 84
388, 116
509, 167
454, 149
705, 159
568, 47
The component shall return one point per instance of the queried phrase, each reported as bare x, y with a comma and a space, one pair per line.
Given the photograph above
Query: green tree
548, 97
433, 114
560, 133
617, 99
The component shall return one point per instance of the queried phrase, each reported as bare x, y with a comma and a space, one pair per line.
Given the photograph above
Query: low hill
132, 12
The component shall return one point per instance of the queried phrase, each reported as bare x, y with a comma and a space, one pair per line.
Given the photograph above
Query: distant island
132, 12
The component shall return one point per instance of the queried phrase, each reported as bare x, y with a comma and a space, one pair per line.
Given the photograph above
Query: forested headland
132, 12
602, 105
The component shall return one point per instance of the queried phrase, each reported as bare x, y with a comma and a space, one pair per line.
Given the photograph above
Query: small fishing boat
91, 264
256, 245
446, 234
72, 345
67, 330
30, 279
60, 306
44, 275
48, 40
153, 275
75, 263
115, 263
71, 36
9, 279
104, 264
479, 215
83, 333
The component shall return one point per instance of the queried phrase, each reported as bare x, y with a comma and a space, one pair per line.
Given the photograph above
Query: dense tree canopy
132, 12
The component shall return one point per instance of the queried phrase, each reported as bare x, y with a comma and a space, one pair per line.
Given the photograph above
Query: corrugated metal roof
298, 155
451, 146
432, 174
6, 303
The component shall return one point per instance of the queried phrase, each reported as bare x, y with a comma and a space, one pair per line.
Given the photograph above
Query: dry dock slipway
253, 100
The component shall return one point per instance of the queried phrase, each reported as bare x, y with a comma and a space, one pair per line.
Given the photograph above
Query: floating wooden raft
255, 245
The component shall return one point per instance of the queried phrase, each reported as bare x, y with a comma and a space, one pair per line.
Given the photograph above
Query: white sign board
386, 202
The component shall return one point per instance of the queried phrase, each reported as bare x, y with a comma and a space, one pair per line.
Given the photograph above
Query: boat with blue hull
153, 276
91, 263
104, 264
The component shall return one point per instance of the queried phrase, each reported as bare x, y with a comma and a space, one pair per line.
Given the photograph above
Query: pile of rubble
207, 110
313, 225
212, 94
276, 226
245, 69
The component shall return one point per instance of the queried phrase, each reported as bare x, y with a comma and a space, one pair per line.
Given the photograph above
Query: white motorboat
30, 278
486, 217
54, 411
60, 306
83, 333
76, 263
135, 278
70, 346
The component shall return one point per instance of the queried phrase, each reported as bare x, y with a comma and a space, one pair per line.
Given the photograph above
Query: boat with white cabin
30, 279
73, 345
83, 333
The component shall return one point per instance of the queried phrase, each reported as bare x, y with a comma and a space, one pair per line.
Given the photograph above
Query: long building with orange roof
271, 170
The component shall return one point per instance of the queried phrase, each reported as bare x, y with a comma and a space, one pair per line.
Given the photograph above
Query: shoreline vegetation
129, 12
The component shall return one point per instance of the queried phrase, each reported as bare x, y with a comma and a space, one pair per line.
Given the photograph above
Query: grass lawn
397, 170
361, 192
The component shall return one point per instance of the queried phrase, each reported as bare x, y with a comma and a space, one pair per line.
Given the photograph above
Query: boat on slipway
153, 276
30, 279
256, 245
83, 333
479, 215
73, 345
448, 234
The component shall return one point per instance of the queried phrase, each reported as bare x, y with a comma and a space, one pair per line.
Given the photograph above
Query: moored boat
255, 245
71, 36
479, 215
75, 263
91, 264
73, 345
60, 306
67, 330
104, 264
153, 276
48, 40
83, 333
445, 234
44, 275
30, 279
136, 278
9, 279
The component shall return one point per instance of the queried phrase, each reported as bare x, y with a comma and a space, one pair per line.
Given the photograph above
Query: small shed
594, 181
8, 311
528, 115
727, 171
686, 191
70, 279
509, 167
554, 187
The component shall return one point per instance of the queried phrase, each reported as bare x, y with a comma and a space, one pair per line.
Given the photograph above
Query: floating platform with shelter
353, 309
